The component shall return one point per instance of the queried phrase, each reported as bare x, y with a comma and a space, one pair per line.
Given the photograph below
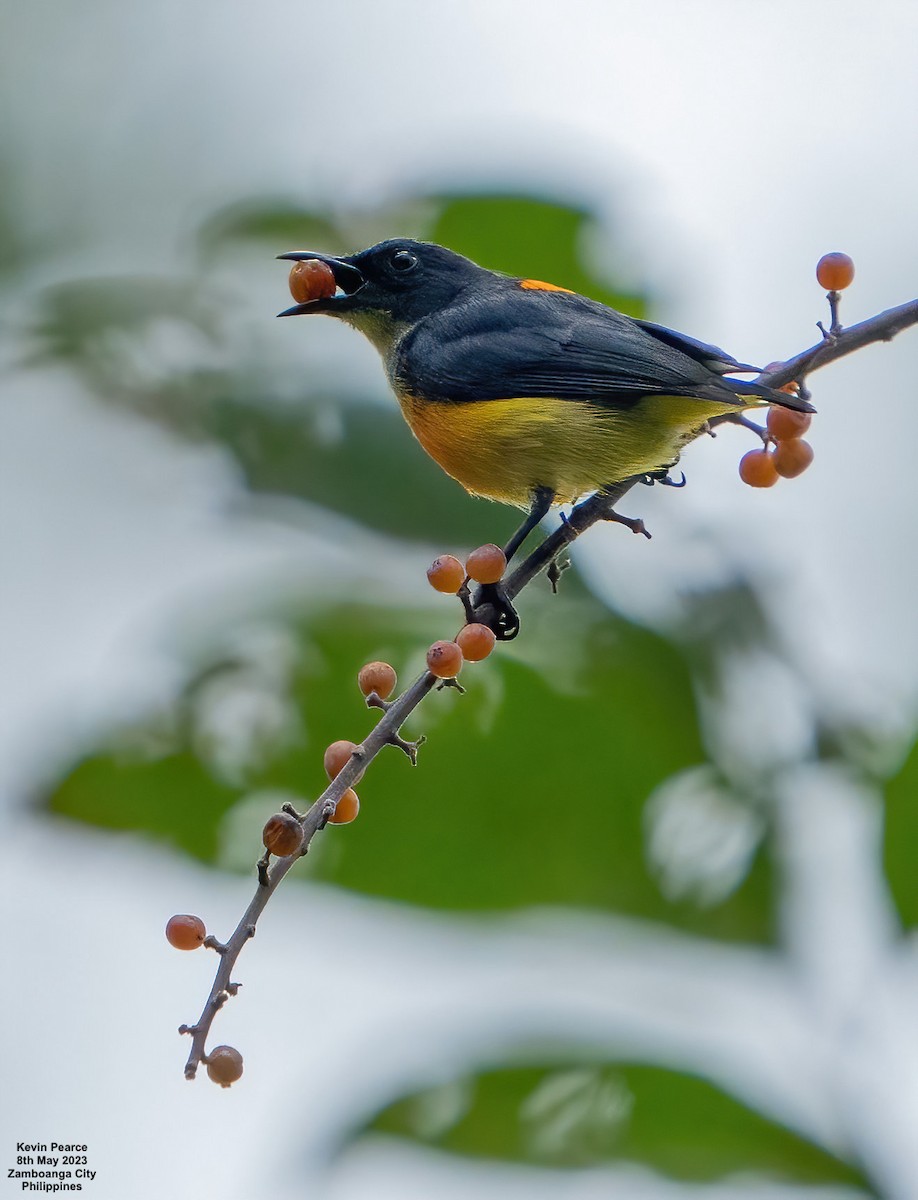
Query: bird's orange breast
505, 449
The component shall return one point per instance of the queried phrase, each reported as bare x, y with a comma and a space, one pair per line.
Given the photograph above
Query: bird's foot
499, 612
664, 478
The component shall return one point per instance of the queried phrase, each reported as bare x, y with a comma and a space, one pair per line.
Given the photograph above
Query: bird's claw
503, 617
663, 477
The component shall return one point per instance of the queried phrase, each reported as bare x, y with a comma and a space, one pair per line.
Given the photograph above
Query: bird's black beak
347, 277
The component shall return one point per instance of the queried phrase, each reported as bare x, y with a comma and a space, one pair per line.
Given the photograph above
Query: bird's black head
399, 279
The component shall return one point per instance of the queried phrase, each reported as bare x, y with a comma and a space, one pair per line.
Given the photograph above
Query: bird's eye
404, 260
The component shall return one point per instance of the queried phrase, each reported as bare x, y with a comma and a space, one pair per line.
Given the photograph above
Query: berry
185, 932
346, 809
784, 423
475, 641
792, 457
757, 468
224, 1065
446, 574
835, 271
337, 756
311, 280
444, 659
377, 677
282, 834
486, 564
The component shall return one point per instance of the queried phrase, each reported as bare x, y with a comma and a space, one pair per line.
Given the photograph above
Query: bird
523, 391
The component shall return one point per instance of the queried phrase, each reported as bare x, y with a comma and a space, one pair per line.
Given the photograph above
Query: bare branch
384, 733
881, 328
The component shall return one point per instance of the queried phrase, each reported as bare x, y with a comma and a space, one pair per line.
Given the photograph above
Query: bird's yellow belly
505, 449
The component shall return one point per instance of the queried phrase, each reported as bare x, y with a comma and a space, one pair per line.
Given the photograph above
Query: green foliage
901, 838
369, 469
530, 238
14, 254
173, 798
77, 319
582, 1115
532, 792
280, 222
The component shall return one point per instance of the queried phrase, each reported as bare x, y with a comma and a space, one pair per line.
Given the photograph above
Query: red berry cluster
474, 641
785, 428
791, 455
444, 659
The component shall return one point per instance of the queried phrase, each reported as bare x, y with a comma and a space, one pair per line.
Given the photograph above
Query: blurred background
640, 924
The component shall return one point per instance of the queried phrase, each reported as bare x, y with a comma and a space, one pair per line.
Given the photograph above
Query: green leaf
900, 838
533, 790
368, 467
75, 318
530, 238
173, 798
283, 224
580, 1115
15, 251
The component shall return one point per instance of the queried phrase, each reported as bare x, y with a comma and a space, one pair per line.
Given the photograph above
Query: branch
881, 328
600, 507
386, 732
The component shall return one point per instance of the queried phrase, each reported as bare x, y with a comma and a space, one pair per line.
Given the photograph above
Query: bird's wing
509, 342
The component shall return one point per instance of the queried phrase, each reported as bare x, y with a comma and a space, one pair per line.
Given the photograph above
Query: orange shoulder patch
536, 285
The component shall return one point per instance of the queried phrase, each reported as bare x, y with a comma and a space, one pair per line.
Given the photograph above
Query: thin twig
383, 733
599, 507
881, 328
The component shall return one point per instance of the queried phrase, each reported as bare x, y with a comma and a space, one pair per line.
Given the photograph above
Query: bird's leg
541, 502
504, 617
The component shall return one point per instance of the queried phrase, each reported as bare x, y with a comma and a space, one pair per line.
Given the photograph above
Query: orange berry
757, 468
784, 423
185, 932
337, 756
346, 809
224, 1065
475, 641
444, 659
311, 280
446, 574
486, 564
835, 271
792, 457
282, 834
377, 677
